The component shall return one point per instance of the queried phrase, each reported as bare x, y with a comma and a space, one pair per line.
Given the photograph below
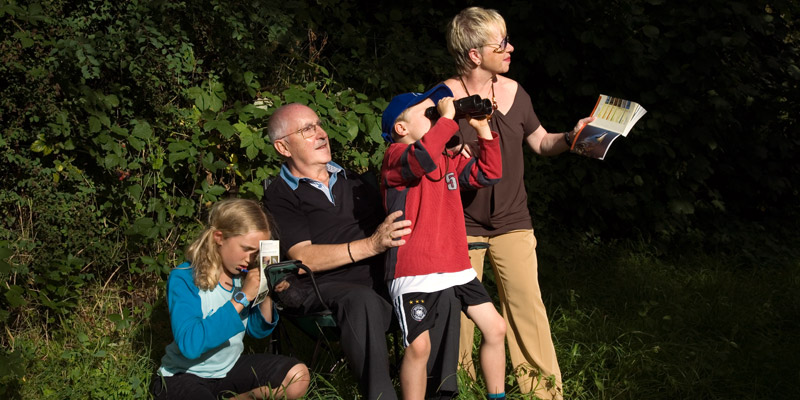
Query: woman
479, 43
209, 305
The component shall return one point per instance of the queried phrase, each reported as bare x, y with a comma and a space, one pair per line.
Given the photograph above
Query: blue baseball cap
401, 102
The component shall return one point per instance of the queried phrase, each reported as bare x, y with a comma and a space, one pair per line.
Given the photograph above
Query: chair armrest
276, 271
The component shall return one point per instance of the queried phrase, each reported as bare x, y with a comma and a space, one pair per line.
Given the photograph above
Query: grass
628, 321
92, 353
630, 325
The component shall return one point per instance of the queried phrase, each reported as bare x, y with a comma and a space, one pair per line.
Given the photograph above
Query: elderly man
333, 221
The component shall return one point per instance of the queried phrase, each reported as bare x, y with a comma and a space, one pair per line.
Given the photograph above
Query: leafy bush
119, 139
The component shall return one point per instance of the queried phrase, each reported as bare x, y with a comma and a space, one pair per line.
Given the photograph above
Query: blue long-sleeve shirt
207, 330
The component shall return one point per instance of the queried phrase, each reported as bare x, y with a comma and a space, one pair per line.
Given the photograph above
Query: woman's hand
580, 126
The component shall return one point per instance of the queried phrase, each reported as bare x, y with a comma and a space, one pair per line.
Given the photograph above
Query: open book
615, 118
268, 253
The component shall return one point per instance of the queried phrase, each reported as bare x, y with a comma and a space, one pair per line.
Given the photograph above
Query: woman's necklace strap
494, 99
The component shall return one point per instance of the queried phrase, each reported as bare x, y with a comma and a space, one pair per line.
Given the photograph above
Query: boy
430, 276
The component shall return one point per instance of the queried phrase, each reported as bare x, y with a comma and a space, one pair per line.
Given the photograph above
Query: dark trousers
364, 318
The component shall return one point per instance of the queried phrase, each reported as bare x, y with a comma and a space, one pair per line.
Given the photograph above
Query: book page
594, 142
268, 253
616, 115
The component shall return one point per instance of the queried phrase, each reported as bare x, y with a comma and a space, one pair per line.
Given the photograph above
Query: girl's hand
251, 282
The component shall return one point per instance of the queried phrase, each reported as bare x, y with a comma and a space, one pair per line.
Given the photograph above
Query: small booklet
269, 252
615, 118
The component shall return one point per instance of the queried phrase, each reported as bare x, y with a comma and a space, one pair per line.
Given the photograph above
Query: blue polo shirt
293, 181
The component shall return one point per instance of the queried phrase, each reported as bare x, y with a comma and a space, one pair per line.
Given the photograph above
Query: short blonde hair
471, 29
232, 217
402, 117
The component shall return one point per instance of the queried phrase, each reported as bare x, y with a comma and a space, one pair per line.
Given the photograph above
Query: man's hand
324, 257
389, 232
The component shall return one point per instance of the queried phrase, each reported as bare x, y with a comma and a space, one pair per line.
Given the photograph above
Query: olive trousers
512, 256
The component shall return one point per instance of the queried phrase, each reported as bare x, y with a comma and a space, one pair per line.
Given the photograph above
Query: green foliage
385, 48
120, 137
124, 120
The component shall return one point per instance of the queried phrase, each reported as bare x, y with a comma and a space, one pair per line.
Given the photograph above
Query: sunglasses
500, 47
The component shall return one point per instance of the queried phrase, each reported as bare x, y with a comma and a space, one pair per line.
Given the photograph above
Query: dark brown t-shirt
503, 207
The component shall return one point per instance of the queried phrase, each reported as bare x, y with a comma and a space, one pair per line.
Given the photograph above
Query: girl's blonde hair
232, 217
471, 29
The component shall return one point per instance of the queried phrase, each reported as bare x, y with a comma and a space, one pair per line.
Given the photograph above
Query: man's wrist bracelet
349, 253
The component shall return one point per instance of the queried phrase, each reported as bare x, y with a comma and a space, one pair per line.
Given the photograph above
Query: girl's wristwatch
241, 298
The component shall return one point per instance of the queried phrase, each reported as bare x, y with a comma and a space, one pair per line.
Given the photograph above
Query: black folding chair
320, 326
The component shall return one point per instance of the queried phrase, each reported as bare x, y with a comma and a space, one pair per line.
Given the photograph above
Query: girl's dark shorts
250, 372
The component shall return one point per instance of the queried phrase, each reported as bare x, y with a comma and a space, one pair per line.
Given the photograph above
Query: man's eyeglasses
307, 132
501, 47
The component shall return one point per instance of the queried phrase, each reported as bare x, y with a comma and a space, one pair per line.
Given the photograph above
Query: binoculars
474, 106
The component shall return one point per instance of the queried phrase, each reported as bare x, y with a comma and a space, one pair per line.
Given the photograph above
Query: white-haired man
333, 221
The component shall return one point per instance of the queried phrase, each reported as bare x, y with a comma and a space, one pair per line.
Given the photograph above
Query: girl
209, 305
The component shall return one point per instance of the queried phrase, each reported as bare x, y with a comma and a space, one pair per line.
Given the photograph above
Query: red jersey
424, 183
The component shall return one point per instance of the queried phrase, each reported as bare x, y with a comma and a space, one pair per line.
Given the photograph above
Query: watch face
241, 298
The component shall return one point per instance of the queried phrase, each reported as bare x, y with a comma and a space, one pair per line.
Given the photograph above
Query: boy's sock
496, 396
